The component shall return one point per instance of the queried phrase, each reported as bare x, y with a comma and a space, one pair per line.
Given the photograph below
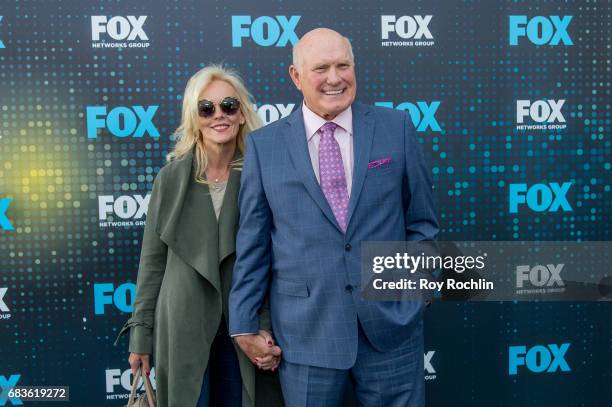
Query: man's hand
260, 349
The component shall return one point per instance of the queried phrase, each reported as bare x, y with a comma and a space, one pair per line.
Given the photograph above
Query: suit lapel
297, 144
363, 134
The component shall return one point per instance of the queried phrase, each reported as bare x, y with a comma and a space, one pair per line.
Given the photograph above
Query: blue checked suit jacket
290, 245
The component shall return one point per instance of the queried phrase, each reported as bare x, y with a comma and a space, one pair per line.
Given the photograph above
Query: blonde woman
188, 254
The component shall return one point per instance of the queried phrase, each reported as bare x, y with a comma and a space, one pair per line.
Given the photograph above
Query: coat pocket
294, 288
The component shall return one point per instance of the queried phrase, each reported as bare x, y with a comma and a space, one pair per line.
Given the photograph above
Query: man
314, 186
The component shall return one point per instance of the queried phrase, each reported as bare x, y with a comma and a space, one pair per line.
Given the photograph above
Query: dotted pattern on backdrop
55, 175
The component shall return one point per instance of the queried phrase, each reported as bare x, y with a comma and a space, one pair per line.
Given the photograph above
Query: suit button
348, 288
347, 247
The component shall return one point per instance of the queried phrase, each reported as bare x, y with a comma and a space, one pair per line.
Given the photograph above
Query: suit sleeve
253, 258
150, 274
419, 208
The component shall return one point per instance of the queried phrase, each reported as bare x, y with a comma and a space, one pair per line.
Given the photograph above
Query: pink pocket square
379, 163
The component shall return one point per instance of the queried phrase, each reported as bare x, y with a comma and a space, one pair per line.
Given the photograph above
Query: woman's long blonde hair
188, 135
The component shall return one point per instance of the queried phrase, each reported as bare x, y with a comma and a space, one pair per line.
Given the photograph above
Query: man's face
326, 76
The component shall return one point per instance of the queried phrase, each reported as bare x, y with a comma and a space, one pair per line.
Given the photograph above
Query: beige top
217, 192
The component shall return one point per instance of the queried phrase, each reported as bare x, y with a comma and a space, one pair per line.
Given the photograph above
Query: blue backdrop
511, 100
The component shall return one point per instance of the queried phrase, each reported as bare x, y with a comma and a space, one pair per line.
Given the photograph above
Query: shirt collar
313, 122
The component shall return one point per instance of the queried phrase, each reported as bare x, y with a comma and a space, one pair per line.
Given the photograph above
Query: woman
188, 253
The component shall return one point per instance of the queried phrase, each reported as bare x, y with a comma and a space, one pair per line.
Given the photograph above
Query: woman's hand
270, 360
137, 359
260, 349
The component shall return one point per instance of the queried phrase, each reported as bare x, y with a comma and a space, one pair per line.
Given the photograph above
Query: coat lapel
297, 144
363, 134
188, 225
228, 217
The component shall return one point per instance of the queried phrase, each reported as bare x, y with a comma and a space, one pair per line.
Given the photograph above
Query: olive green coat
183, 285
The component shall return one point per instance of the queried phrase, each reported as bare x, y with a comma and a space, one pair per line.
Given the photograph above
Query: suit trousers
386, 379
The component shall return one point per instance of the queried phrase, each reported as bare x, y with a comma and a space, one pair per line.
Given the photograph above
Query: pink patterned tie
331, 173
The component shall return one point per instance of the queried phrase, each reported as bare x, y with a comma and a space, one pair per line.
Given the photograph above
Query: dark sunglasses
228, 105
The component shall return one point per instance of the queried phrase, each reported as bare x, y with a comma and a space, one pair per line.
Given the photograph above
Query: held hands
260, 349
136, 359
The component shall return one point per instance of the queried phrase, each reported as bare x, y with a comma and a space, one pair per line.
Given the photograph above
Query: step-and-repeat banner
511, 101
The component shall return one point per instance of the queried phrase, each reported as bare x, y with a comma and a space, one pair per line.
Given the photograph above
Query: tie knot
328, 128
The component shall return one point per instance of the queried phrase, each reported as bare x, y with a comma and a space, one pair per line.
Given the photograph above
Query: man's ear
295, 76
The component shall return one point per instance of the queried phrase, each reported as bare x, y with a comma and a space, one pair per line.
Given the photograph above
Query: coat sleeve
150, 274
253, 257
419, 208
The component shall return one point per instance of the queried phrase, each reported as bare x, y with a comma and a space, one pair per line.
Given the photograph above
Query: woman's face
220, 127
